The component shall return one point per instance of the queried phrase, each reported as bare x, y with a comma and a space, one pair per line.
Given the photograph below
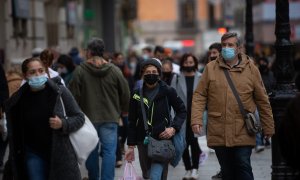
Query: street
261, 164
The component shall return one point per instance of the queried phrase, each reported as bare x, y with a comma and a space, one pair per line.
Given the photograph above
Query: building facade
61, 25
264, 19
189, 25
28, 24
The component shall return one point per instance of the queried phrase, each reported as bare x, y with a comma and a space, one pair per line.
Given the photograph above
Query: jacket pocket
215, 124
240, 128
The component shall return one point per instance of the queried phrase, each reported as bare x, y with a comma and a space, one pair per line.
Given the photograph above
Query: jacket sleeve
200, 99
75, 85
179, 109
132, 122
262, 101
75, 117
124, 92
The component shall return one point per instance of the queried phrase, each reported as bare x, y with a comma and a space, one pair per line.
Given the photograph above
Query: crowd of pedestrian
120, 94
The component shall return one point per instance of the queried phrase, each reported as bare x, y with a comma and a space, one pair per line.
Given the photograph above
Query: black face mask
188, 68
151, 78
167, 74
263, 68
121, 66
213, 58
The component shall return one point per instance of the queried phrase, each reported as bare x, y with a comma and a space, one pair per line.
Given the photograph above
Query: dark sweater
36, 114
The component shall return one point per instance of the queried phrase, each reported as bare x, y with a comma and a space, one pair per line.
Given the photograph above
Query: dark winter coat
158, 112
101, 92
3, 87
63, 161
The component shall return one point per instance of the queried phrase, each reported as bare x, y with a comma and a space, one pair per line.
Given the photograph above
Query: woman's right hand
129, 155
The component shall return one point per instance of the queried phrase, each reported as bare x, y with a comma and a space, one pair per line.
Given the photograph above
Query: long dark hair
185, 57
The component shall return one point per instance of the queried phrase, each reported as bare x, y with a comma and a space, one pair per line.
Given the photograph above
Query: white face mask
62, 70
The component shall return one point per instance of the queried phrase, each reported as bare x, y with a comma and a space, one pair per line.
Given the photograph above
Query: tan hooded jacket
226, 126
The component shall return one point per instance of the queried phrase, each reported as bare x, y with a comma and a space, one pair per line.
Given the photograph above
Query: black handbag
252, 124
158, 150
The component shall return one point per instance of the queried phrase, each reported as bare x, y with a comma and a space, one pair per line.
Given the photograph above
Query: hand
197, 128
124, 114
168, 133
268, 136
55, 123
129, 154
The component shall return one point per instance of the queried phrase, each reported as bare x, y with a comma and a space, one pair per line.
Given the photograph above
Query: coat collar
243, 58
182, 82
163, 90
25, 88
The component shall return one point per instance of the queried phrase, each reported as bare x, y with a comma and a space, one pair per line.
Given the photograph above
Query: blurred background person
214, 51
167, 71
185, 84
65, 68
159, 52
119, 61
75, 55
147, 53
132, 61
266, 74
14, 79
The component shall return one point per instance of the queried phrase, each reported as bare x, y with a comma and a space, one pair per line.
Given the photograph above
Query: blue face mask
228, 53
37, 82
145, 56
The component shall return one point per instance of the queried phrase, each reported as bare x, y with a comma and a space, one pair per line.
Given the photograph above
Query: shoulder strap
143, 110
236, 95
168, 108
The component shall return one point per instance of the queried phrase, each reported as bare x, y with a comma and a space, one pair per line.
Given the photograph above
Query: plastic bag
3, 126
130, 173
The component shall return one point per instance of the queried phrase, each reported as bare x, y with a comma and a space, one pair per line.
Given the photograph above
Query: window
187, 14
20, 14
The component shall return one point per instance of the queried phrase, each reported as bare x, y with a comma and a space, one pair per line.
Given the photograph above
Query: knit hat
152, 61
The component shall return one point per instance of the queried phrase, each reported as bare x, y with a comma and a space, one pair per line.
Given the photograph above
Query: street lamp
284, 90
249, 29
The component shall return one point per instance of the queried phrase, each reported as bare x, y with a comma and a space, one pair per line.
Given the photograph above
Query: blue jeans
107, 133
259, 139
235, 162
259, 136
156, 171
37, 168
151, 169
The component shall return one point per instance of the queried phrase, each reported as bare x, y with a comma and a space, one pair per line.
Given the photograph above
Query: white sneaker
187, 175
195, 174
259, 149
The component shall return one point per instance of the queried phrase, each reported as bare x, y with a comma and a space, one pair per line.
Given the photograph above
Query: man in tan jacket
226, 130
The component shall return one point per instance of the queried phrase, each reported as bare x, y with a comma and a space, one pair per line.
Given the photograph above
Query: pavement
261, 165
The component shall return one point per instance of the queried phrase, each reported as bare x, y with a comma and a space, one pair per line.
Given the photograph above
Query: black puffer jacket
64, 165
158, 114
